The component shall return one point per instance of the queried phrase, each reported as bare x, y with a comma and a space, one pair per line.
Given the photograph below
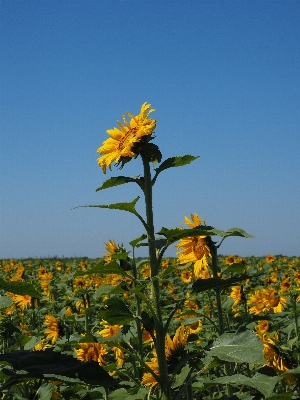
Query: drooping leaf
116, 181
115, 312
201, 285
22, 288
134, 242
52, 365
239, 348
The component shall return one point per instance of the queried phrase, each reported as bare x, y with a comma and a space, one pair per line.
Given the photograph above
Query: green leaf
22, 288
130, 207
177, 161
116, 181
88, 338
45, 391
283, 396
120, 394
6, 301
262, 383
103, 289
116, 312
180, 378
235, 268
238, 232
244, 347
134, 242
52, 365
103, 268
173, 235
201, 285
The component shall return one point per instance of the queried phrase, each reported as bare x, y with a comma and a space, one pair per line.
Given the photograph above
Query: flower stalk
159, 328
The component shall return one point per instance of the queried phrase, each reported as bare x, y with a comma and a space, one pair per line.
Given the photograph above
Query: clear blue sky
224, 78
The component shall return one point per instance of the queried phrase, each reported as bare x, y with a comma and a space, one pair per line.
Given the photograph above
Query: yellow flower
111, 247
146, 271
194, 249
120, 357
266, 300
270, 258
173, 349
236, 294
262, 327
22, 301
186, 276
92, 351
121, 143
109, 330
229, 260
53, 328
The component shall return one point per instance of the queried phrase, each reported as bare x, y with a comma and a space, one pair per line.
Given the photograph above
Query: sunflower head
129, 139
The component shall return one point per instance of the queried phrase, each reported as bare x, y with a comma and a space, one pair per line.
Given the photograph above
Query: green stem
159, 328
214, 259
138, 310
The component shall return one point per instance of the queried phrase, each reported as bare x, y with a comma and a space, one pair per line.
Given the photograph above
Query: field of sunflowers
86, 313
200, 326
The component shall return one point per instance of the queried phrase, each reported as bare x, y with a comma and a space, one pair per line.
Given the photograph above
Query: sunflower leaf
103, 268
130, 206
245, 347
238, 232
116, 312
201, 285
134, 242
116, 181
52, 365
21, 288
177, 161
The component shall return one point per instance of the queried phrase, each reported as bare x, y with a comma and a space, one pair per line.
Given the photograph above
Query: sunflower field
200, 326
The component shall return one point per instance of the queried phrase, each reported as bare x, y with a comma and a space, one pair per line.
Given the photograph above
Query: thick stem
214, 260
138, 310
154, 265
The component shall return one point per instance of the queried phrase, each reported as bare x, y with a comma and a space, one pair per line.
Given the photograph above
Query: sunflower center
125, 140
274, 301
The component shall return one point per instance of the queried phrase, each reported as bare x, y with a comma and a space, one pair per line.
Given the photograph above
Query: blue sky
224, 78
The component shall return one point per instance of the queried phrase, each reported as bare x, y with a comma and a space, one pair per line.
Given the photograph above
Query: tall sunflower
194, 249
122, 140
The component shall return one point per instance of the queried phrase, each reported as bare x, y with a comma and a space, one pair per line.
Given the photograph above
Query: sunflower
236, 294
120, 357
194, 249
270, 258
174, 349
229, 260
186, 276
121, 143
109, 330
92, 351
266, 300
53, 329
111, 247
